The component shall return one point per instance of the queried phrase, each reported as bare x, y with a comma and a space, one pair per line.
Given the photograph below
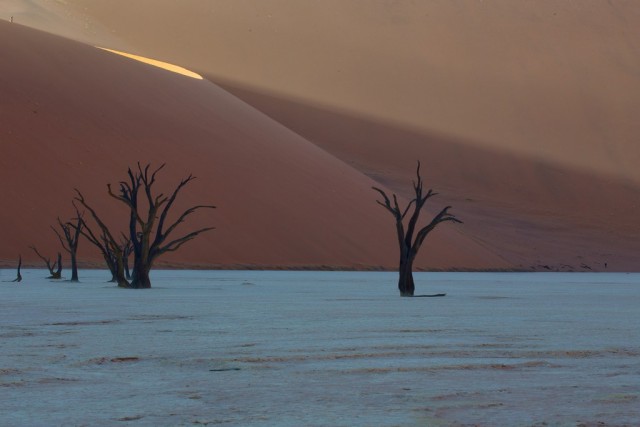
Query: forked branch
409, 245
149, 225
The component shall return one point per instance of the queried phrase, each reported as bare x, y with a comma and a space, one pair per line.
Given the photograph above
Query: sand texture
522, 113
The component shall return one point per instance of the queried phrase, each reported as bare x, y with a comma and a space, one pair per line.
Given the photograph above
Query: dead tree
71, 241
409, 246
55, 269
109, 247
150, 231
19, 276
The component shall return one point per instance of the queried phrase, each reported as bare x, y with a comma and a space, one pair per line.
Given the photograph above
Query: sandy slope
527, 108
553, 80
523, 113
77, 116
534, 213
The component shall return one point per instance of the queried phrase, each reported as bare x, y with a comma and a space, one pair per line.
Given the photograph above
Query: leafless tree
71, 240
55, 269
409, 246
149, 231
111, 250
19, 276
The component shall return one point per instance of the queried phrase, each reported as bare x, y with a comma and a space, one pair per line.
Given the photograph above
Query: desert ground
521, 113
321, 349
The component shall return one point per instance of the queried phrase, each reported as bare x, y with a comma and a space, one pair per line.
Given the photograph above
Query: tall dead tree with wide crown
150, 233
409, 246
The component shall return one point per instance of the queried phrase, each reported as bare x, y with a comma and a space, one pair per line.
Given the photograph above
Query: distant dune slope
523, 113
554, 80
76, 116
532, 212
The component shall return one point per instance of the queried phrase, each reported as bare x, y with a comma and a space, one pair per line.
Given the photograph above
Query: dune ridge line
156, 63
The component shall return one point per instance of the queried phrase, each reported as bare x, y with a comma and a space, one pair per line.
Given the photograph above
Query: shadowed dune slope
76, 116
531, 212
523, 113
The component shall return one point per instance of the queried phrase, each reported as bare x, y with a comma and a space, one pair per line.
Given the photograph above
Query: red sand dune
77, 116
523, 113
556, 81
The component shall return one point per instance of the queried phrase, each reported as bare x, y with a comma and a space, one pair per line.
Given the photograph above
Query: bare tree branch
174, 245
107, 244
47, 261
142, 225
62, 241
409, 245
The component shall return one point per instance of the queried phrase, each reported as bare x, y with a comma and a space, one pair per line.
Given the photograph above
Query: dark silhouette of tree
409, 246
55, 269
19, 276
71, 240
112, 251
149, 231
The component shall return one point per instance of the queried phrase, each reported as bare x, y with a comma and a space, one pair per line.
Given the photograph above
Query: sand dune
77, 116
523, 113
555, 81
534, 213
160, 64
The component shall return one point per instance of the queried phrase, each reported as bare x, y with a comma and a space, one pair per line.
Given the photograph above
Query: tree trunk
19, 276
111, 264
119, 273
405, 281
56, 275
74, 267
141, 278
127, 273
123, 283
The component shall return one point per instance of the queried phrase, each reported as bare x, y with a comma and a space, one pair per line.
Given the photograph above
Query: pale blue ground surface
321, 348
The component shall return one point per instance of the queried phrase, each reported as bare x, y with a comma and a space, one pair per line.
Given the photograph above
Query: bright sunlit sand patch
164, 65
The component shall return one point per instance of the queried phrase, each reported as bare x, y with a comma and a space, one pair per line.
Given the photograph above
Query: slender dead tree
19, 276
55, 269
109, 247
71, 232
150, 231
409, 246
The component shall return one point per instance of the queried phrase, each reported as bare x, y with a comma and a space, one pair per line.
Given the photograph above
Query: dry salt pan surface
309, 348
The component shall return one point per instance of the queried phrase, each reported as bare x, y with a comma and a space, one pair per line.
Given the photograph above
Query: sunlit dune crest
164, 65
